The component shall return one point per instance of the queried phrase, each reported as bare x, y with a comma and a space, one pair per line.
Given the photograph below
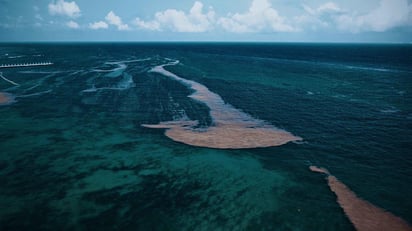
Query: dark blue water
74, 155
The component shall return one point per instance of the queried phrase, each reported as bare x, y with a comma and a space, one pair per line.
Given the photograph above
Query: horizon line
204, 42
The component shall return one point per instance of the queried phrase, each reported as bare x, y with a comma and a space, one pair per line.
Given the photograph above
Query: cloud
115, 20
179, 21
260, 17
322, 17
387, 15
60, 7
72, 24
328, 7
38, 17
98, 25
150, 25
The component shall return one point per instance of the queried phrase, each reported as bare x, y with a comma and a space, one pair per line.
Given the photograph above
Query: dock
25, 65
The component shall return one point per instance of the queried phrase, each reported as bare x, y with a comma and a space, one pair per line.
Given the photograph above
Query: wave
115, 72
136, 60
8, 80
34, 94
41, 72
7, 98
92, 89
370, 68
390, 110
16, 56
317, 63
231, 128
121, 67
125, 83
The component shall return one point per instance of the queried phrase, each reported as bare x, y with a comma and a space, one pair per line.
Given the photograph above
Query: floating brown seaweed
231, 128
6, 98
363, 215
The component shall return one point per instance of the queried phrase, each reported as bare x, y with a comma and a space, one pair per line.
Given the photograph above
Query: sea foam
230, 129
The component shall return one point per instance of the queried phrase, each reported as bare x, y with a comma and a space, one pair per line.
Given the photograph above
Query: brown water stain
6, 98
231, 128
363, 215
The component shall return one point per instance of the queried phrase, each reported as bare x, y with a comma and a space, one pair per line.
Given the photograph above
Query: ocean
201, 136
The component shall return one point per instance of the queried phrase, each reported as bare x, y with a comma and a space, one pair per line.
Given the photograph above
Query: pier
25, 65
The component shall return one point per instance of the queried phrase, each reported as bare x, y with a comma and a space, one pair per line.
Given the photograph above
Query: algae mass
230, 127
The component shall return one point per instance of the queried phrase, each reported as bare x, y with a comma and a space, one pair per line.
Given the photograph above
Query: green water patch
104, 169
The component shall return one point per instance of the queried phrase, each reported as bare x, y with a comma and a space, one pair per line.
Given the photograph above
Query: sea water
75, 156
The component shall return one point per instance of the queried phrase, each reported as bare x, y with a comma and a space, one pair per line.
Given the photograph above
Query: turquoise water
74, 155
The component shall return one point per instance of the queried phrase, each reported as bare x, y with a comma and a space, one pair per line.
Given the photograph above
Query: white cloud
387, 15
150, 25
322, 17
72, 24
38, 17
115, 20
179, 21
260, 17
98, 25
328, 7
70, 9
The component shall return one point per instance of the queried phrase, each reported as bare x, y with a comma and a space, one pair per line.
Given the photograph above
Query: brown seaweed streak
6, 98
230, 128
363, 215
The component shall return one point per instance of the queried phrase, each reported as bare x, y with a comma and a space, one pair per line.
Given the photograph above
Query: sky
358, 21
